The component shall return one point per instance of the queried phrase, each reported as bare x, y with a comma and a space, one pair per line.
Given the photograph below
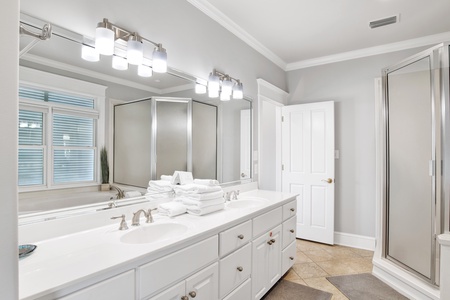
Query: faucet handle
149, 215
123, 223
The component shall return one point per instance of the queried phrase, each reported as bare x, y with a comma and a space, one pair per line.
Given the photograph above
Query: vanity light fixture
89, 53
225, 85
108, 36
200, 88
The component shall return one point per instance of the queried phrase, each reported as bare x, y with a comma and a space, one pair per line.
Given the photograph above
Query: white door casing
245, 144
308, 167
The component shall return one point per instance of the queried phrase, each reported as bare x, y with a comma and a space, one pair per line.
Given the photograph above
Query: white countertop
72, 261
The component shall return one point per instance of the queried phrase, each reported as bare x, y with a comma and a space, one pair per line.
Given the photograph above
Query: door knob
328, 180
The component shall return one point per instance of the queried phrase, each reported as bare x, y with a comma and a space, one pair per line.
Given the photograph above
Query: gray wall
9, 53
351, 85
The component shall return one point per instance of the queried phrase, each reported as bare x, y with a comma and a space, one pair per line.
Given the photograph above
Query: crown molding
365, 52
215, 14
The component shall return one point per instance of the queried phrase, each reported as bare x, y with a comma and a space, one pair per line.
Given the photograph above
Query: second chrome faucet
137, 215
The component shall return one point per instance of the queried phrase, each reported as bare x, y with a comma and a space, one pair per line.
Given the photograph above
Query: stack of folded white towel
158, 189
202, 197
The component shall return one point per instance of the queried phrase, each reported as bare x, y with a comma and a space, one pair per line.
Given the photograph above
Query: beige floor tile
360, 265
318, 255
291, 275
321, 283
309, 270
304, 245
300, 257
299, 281
362, 252
341, 252
337, 267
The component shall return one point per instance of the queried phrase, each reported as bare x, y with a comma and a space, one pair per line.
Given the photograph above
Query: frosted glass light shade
238, 91
119, 63
224, 96
145, 71
159, 62
135, 52
104, 41
213, 85
213, 93
89, 53
200, 88
227, 86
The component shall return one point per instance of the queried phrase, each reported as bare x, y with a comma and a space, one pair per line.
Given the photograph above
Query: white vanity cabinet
289, 234
116, 288
203, 285
171, 269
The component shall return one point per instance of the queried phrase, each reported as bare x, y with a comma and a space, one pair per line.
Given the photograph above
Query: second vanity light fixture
108, 34
222, 84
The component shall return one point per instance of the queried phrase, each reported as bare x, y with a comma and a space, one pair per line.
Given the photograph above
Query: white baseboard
354, 241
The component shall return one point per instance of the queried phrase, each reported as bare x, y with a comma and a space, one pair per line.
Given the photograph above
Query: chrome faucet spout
136, 216
120, 193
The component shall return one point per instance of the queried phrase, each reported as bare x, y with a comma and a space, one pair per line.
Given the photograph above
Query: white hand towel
131, 194
200, 204
166, 177
201, 197
196, 188
171, 209
206, 181
196, 211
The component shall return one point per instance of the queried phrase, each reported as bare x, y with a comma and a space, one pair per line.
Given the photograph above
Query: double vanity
237, 253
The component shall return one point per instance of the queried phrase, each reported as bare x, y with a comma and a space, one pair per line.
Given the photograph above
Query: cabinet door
204, 285
119, 287
173, 293
274, 257
243, 292
259, 266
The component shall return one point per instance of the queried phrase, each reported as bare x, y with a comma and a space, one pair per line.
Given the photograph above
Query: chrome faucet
147, 214
123, 223
120, 193
232, 195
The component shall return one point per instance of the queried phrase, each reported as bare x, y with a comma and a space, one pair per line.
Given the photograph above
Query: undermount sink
247, 202
152, 233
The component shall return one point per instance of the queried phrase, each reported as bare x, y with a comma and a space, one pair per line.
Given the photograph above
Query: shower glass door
411, 165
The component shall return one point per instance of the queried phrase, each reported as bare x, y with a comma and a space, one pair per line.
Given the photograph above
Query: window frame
35, 79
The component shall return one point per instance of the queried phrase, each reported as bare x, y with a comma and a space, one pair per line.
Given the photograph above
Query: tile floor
315, 262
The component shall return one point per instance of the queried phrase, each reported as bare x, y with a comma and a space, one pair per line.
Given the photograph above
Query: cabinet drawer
289, 210
234, 269
289, 231
266, 221
174, 267
235, 237
119, 287
244, 291
288, 257
175, 292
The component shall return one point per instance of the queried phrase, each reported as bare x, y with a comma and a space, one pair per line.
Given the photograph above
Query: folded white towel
181, 177
166, 177
196, 188
195, 210
172, 209
206, 181
200, 197
200, 204
159, 186
131, 194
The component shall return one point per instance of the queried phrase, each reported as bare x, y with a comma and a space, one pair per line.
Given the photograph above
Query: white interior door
308, 167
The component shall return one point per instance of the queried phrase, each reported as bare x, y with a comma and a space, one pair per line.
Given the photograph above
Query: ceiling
301, 33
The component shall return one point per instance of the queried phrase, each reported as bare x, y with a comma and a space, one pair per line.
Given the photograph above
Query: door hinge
282, 167
282, 118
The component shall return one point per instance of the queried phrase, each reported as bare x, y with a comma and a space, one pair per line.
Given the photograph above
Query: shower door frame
439, 121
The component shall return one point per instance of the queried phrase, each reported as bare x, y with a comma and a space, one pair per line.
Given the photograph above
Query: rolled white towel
131, 194
206, 181
172, 209
200, 204
196, 188
197, 211
200, 197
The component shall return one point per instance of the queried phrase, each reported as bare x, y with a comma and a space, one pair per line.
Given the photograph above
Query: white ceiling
300, 33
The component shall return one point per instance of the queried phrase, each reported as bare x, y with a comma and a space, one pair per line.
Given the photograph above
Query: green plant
104, 165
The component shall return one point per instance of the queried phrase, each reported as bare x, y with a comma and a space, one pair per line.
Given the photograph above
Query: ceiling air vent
383, 22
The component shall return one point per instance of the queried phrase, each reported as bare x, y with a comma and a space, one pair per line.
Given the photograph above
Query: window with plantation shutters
57, 138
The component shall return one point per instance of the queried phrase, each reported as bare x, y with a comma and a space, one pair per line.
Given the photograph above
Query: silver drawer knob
292, 230
185, 298
241, 236
193, 294
292, 209
240, 269
291, 258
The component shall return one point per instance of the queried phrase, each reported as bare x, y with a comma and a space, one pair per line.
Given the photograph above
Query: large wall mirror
215, 140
